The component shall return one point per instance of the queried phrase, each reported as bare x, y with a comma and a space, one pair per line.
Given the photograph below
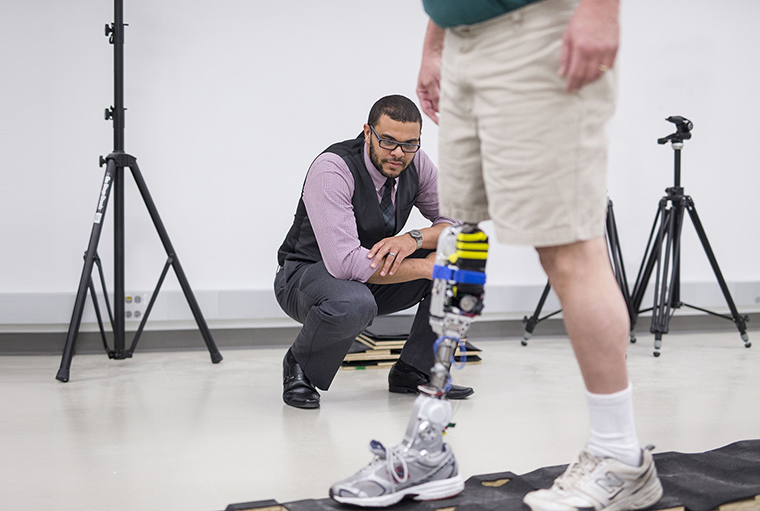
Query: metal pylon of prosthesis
457, 298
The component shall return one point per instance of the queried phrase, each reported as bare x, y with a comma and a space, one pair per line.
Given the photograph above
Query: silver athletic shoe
400, 472
591, 482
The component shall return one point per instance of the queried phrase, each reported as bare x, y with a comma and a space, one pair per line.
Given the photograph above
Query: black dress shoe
404, 379
297, 389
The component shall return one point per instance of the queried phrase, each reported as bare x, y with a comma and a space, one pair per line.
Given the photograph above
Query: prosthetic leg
422, 466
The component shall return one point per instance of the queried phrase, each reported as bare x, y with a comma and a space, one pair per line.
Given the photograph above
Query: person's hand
429, 86
590, 43
396, 249
429, 79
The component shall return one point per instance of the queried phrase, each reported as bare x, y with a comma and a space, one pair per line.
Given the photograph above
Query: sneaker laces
394, 460
584, 465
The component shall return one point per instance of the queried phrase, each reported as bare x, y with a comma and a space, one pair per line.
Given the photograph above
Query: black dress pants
333, 312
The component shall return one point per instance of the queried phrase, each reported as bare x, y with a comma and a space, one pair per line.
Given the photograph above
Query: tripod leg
616, 256
119, 321
661, 273
105, 291
95, 305
651, 256
738, 319
84, 280
530, 323
210, 344
150, 305
669, 293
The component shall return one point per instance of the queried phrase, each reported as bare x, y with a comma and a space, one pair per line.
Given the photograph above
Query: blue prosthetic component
462, 355
457, 275
462, 351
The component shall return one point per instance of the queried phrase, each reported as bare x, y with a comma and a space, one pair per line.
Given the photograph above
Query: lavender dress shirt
327, 195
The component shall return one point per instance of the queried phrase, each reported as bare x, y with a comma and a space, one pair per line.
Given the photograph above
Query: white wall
229, 102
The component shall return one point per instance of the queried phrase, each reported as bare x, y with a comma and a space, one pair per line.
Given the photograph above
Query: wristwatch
417, 235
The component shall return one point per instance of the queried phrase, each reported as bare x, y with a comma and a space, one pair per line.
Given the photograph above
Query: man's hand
590, 43
396, 249
429, 79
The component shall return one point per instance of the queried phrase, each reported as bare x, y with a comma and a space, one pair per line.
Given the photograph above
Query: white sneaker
400, 472
591, 482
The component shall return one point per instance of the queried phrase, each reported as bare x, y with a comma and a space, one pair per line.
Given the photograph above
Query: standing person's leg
333, 312
594, 311
597, 322
543, 156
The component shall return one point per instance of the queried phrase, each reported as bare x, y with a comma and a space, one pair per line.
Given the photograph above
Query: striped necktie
386, 208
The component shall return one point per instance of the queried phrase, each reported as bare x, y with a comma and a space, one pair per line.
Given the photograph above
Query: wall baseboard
37, 323
46, 312
51, 343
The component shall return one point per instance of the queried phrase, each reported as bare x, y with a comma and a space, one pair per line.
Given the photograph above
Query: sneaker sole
649, 495
434, 490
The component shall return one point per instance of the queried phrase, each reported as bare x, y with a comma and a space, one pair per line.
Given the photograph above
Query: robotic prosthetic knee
457, 297
422, 466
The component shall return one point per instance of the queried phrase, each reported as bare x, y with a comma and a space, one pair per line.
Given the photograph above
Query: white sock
613, 431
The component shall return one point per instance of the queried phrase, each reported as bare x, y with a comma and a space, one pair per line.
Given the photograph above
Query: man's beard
375, 159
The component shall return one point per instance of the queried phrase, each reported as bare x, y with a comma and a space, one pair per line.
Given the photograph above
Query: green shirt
451, 13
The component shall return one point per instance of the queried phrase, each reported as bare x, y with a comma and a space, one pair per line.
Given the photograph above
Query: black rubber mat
698, 482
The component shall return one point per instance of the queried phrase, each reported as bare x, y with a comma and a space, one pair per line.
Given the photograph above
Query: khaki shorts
513, 145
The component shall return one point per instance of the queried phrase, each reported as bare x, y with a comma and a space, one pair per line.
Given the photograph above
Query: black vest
301, 244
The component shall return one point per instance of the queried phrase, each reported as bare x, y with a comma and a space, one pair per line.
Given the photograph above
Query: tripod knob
109, 29
109, 113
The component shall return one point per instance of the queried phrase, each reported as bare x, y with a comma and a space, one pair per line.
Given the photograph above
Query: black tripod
116, 162
616, 258
667, 296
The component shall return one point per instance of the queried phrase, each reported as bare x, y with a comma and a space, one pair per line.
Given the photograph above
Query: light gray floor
166, 431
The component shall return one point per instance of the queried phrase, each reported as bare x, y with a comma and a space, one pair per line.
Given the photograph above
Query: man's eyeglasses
391, 145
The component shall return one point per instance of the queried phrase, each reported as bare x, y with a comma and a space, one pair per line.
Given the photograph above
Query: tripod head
683, 130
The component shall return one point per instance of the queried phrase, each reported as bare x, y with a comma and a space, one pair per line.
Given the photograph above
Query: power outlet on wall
134, 308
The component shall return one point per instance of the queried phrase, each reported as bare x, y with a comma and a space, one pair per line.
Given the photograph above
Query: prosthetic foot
422, 466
